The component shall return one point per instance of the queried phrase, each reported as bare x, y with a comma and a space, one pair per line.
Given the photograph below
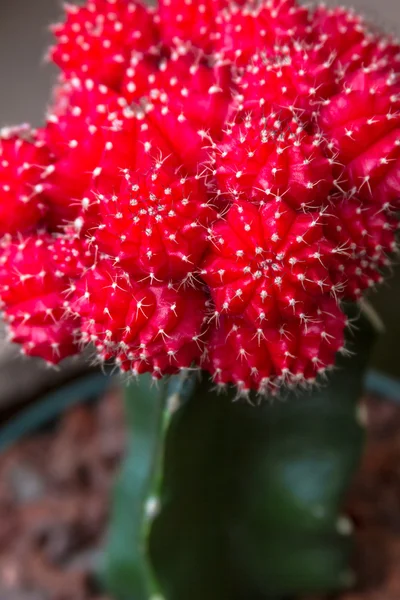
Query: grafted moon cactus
245, 161
212, 184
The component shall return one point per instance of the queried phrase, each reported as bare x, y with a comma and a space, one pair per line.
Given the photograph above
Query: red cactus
348, 37
189, 83
157, 329
258, 26
269, 263
97, 39
265, 157
295, 80
92, 134
232, 172
186, 21
24, 169
264, 357
155, 226
35, 276
139, 77
366, 236
363, 123
172, 133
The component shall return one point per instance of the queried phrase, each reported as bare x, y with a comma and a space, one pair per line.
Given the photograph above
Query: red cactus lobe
340, 28
24, 167
202, 92
140, 75
73, 256
363, 121
258, 26
186, 21
262, 159
34, 281
156, 329
155, 225
92, 134
269, 263
259, 357
151, 138
347, 35
186, 81
97, 39
171, 133
298, 78
366, 235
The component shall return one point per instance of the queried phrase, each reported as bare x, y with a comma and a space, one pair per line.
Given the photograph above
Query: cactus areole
210, 184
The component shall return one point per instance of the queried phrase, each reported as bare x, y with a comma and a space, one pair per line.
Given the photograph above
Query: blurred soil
54, 499
374, 505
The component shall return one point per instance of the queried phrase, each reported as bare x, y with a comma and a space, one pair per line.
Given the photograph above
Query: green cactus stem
251, 504
126, 571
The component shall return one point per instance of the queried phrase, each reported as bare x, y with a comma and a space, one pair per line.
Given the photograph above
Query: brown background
25, 82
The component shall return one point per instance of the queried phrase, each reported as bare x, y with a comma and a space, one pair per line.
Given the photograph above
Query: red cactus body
264, 157
295, 80
154, 226
185, 21
35, 276
24, 166
363, 122
348, 37
269, 263
157, 329
367, 238
258, 26
266, 357
212, 182
188, 82
97, 39
172, 133
90, 131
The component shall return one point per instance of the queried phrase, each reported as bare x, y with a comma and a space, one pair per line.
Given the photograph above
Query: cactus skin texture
185, 21
267, 25
256, 512
264, 269
244, 162
23, 174
169, 212
155, 328
102, 33
36, 274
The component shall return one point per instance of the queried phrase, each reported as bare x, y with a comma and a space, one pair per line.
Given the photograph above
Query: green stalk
127, 573
252, 497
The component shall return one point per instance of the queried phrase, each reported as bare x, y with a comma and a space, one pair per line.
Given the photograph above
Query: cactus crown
211, 183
